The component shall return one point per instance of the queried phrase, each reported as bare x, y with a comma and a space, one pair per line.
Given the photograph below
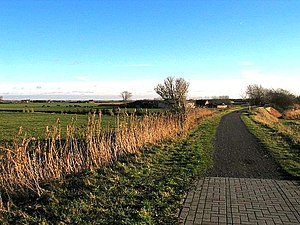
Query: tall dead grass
28, 163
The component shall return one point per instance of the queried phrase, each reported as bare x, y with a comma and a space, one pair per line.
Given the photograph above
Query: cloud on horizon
247, 63
142, 89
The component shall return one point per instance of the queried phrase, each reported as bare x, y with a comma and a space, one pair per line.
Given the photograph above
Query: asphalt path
239, 154
244, 186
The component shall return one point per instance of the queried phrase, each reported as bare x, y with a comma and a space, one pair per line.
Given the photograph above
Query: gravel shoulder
239, 154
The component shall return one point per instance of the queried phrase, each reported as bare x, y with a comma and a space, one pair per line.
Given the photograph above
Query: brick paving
222, 200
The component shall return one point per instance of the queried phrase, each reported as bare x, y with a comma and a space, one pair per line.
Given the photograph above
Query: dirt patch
274, 112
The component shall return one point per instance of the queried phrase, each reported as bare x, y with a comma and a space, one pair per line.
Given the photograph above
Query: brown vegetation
28, 163
262, 116
274, 112
293, 114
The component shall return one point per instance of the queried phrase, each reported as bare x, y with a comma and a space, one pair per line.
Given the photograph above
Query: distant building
222, 106
201, 103
25, 101
212, 103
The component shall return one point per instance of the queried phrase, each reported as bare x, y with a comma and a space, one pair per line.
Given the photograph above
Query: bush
281, 99
278, 98
108, 112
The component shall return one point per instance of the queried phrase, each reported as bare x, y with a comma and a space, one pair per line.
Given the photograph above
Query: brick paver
222, 200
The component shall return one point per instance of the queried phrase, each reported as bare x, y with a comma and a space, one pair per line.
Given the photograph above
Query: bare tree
278, 98
257, 94
126, 95
174, 92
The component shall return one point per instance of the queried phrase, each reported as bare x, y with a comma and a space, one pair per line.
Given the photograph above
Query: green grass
34, 124
286, 154
147, 188
63, 107
46, 107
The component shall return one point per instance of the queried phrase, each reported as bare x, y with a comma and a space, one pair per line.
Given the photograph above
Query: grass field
34, 117
46, 107
67, 107
34, 124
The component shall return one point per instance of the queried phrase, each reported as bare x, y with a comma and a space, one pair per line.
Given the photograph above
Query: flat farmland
58, 107
109, 108
34, 124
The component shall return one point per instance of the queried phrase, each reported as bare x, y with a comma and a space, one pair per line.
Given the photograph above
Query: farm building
212, 103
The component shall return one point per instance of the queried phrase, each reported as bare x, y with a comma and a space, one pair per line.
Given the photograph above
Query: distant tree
298, 99
280, 98
223, 97
257, 94
126, 95
1, 98
174, 92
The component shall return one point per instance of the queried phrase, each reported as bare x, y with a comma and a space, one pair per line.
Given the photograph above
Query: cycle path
244, 186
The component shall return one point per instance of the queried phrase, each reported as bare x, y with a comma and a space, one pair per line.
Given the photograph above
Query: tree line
278, 98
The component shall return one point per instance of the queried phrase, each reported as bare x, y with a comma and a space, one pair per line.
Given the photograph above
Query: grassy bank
142, 188
278, 138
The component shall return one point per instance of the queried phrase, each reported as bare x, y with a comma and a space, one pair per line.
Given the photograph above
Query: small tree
281, 99
126, 95
174, 92
257, 94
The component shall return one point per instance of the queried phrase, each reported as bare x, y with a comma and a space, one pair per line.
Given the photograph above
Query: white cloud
139, 88
208, 88
251, 75
82, 78
144, 89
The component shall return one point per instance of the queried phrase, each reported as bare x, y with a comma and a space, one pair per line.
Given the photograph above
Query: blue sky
100, 48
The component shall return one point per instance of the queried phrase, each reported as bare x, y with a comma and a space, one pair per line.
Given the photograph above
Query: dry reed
29, 162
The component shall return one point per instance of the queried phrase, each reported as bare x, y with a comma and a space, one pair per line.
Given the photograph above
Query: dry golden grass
293, 114
262, 116
29, 162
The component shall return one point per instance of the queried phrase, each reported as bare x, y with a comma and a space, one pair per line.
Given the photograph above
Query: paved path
215, 200
245, 185
237, 152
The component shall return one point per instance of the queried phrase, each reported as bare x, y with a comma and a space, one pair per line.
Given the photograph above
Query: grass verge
278, 145
146, 188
